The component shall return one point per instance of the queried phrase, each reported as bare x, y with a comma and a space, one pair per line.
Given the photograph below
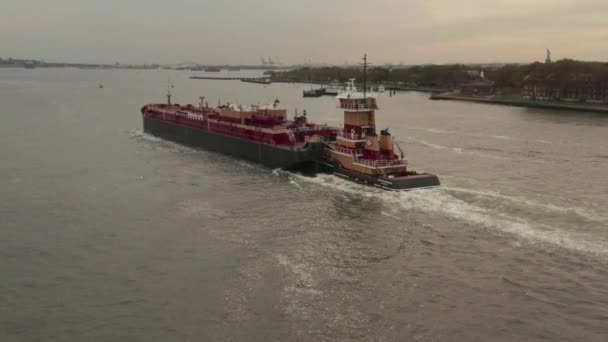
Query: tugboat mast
364, 76
169, 86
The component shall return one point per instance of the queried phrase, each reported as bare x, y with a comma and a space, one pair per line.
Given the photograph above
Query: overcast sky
297, 31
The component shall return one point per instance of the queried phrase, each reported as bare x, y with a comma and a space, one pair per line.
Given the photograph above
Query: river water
108, 234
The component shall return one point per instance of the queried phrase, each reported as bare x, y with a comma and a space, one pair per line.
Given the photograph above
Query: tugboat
314, 92
261, 134
358, 152
334, 88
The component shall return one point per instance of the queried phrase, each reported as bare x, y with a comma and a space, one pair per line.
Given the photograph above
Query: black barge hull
265, 154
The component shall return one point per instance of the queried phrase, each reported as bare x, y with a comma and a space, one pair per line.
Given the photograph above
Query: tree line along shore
509, 78
564, 84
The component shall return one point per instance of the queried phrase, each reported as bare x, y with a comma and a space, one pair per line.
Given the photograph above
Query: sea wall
525, 103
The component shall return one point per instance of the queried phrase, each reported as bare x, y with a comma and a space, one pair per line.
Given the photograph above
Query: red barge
261, 134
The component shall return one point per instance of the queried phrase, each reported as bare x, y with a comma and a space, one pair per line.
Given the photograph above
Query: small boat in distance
334, 88
314, 92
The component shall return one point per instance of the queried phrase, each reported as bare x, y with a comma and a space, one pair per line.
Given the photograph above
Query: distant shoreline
524, 103
420, 89
388, 86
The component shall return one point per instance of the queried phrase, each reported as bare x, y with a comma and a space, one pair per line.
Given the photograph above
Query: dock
215, 78
259, 80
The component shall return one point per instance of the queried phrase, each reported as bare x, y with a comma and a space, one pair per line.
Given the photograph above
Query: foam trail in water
476, 135
582, 212
297, 185
137, 133
247, 164
458, 150
390, 215
430, 130
439, 200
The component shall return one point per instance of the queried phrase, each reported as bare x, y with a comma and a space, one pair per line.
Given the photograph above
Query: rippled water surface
108, 234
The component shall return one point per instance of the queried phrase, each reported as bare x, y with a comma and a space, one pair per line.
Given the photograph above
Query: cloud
240, 31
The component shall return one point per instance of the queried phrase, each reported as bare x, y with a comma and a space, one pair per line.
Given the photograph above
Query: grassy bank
518, 101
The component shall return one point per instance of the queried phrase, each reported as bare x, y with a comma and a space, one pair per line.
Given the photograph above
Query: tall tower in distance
548, 59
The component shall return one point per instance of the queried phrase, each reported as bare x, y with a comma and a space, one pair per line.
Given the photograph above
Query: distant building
548, 59
479, 86
474, 73
578, 89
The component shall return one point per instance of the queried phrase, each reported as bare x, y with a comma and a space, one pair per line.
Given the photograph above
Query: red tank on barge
261, 134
